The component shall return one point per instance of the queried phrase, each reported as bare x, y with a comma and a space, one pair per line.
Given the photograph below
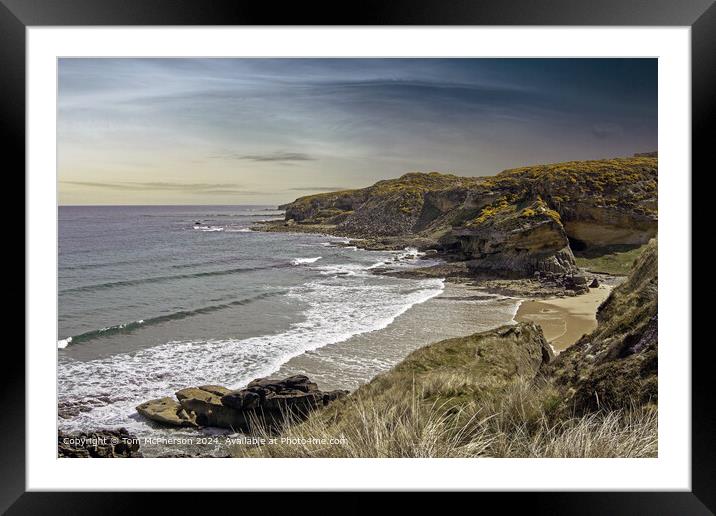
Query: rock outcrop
519, 221
100, 444
265, 401
205, 404
616, 365
166, 411
572, 283
520, 240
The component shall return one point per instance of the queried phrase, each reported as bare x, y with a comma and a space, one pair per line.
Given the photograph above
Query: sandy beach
564, 320
457, 311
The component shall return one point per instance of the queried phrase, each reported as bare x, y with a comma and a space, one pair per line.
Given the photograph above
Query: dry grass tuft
521, 421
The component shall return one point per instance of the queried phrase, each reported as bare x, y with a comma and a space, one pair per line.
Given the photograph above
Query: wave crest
182, 314
303, 261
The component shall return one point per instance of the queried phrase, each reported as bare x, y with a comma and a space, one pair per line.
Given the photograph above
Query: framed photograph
414, 249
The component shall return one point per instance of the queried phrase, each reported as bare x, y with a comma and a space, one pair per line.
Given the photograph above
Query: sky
266, 131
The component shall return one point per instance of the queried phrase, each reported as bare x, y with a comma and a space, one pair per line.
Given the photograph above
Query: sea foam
303, 261
336, 309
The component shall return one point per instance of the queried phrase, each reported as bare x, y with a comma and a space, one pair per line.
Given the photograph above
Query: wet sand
564, 320
457, 311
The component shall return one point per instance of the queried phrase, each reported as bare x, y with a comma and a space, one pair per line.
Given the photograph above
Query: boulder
272, 400
331, 396
576, 283
215, 389
267, 400
594, 283
210, 411
167, 412
297, 382
99, 444
579, 279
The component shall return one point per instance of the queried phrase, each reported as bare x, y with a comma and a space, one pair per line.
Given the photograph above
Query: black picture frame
700, 15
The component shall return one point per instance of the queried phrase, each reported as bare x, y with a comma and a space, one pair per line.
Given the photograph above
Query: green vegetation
418, 182
476, 396
500, 206
619, 182
519, 422
618, 260
510, 209
617, 364
539, 207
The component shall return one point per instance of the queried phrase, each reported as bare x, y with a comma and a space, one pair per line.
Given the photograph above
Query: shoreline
458, 310
455, 312
564, 320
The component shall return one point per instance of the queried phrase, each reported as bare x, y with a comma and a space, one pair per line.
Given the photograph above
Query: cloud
229, 191
271, 156
318, 189
164, 186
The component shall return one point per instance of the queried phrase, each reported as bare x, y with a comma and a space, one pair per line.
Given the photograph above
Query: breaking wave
109, 388
182, 314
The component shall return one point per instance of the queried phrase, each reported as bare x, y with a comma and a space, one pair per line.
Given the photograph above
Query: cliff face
388, 208
616, 365
600, 203
522, 220
522, 238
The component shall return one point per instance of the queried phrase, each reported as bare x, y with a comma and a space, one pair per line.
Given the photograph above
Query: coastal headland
581, 357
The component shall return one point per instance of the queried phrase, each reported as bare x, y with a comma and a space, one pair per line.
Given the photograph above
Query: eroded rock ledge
264, 401
520, 221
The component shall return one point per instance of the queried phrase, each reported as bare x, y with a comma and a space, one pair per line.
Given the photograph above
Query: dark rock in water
594, 283
265, 400
100, 444
298, 382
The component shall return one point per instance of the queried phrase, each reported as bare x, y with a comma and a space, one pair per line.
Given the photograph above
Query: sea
152, 299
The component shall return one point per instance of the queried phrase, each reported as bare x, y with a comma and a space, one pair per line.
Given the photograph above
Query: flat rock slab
166, 411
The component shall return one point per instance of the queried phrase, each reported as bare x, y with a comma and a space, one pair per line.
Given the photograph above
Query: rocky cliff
521, 221
616, 365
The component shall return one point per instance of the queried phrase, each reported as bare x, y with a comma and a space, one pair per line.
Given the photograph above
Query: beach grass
443, 417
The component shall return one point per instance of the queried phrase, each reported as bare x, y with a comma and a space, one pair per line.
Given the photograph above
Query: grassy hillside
478, 396
617, 260
617, 365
